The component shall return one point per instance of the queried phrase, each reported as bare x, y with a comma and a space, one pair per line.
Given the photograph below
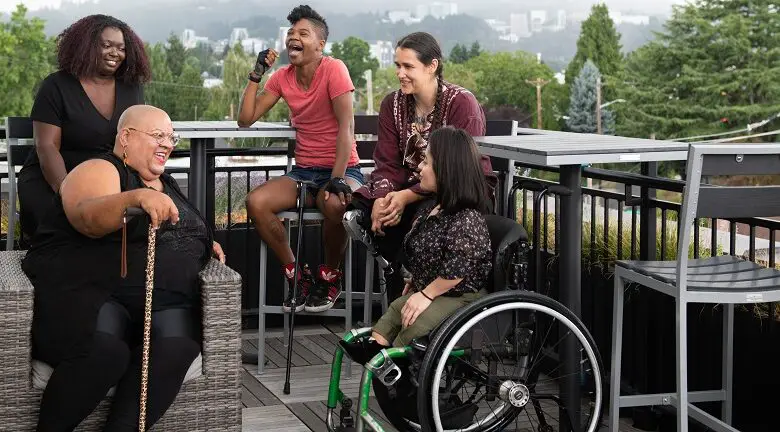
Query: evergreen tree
599, 42
158, 92
459, 54
716, 66
475, 50
582, 103
175, 55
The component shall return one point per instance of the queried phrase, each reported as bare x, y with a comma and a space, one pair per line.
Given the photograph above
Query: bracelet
425, 295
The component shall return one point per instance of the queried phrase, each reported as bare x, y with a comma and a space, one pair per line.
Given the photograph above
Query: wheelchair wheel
494, 366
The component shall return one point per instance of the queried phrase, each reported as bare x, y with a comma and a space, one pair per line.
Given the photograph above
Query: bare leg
262, 205
380, 339
333, 234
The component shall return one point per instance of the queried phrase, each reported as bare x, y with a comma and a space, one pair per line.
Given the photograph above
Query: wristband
425, 295
254, 77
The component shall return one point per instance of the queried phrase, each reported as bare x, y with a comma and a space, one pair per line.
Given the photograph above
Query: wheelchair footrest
387, 372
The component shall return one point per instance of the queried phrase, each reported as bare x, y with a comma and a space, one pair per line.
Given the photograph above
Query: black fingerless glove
337, 185
260, 65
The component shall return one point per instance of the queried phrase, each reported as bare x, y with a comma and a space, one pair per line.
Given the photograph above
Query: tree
582, 105
716, 60
175, 55
190, 98
461, 54
501, 82
26, 57
356, 54
158, 92
598, 42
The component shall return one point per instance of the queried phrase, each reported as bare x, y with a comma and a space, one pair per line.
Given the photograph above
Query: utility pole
539, 83
598, 105
369, 92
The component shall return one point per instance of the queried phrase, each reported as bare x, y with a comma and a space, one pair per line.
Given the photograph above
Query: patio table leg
570, 277
196, 179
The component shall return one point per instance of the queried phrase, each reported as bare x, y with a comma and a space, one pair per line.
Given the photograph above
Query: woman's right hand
158, 206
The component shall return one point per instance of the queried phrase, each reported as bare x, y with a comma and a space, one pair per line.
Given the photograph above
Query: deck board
267, 408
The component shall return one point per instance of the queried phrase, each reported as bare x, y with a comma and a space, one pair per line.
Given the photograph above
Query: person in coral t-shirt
318, 91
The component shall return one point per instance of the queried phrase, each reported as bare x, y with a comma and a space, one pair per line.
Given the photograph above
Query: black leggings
78, 384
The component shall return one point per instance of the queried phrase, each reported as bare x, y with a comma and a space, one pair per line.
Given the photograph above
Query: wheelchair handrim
501, 308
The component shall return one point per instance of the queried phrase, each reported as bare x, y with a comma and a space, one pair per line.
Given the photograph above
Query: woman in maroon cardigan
425, 102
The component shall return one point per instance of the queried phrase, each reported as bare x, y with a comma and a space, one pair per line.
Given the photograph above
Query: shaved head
141, 115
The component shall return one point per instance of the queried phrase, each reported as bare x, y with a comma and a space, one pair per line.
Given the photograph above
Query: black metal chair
16, 129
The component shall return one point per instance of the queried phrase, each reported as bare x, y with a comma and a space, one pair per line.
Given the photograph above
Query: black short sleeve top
61, 101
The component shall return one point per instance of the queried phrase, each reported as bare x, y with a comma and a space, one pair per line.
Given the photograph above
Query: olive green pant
389, 325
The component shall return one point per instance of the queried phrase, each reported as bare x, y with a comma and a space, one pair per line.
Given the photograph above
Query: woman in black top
447, 250
102, 66
88, 319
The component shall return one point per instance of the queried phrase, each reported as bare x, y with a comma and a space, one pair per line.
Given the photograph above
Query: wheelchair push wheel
494, 366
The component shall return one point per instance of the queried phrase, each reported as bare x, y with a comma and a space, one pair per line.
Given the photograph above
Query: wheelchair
491, 366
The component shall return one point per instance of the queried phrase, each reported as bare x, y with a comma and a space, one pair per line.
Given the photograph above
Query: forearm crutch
301, 204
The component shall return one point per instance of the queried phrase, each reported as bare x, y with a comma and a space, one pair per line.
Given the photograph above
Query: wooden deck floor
266, 408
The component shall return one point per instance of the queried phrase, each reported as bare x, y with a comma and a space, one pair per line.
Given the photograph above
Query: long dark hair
78, 50
460, 182
427, 49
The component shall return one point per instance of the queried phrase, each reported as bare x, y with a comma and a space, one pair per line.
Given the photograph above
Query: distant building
402, 15
560, 24
518, 24
538, 19
384, 52
237, 35
190, 40
253, 45
212, 82
500, 27
441, 10
281, 38
619, 18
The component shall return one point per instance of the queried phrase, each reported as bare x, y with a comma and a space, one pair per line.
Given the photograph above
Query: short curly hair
78, 50
307, 13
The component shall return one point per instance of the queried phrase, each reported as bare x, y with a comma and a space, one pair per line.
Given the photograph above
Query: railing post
647, 219
210, 184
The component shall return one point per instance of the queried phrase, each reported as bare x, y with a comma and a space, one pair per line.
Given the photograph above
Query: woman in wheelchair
447, 251
465, 348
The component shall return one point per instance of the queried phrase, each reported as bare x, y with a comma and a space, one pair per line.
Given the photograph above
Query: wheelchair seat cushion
41, 372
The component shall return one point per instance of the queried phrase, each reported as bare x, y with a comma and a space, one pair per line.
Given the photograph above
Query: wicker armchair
209, 402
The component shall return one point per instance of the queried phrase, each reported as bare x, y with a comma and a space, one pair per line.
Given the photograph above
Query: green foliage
599, 42
356, 54
582, 105
461, 54
716, 60
26, 57
501, 81
175, 55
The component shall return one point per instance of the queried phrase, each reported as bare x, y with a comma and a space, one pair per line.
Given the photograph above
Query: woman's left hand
396, 202
414, 306
218, 253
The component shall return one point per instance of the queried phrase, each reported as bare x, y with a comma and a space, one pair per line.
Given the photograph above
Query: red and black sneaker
327, 290
304, 286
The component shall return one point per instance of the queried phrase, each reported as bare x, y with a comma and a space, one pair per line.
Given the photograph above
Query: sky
660, 5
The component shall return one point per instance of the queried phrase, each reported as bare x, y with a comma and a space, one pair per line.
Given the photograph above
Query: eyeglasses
160, 137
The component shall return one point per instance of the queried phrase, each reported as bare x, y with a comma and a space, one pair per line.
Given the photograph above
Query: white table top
561, 148
230, 129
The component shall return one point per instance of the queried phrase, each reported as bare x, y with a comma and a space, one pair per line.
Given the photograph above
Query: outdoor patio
267, 409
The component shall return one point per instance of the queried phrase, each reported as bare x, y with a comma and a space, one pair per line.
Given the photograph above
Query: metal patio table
571, 152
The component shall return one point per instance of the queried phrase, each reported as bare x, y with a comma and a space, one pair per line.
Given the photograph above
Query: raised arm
253, 104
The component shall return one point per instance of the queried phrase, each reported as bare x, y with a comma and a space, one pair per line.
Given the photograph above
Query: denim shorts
320, 176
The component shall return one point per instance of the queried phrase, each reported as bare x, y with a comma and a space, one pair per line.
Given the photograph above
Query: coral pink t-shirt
312, 111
